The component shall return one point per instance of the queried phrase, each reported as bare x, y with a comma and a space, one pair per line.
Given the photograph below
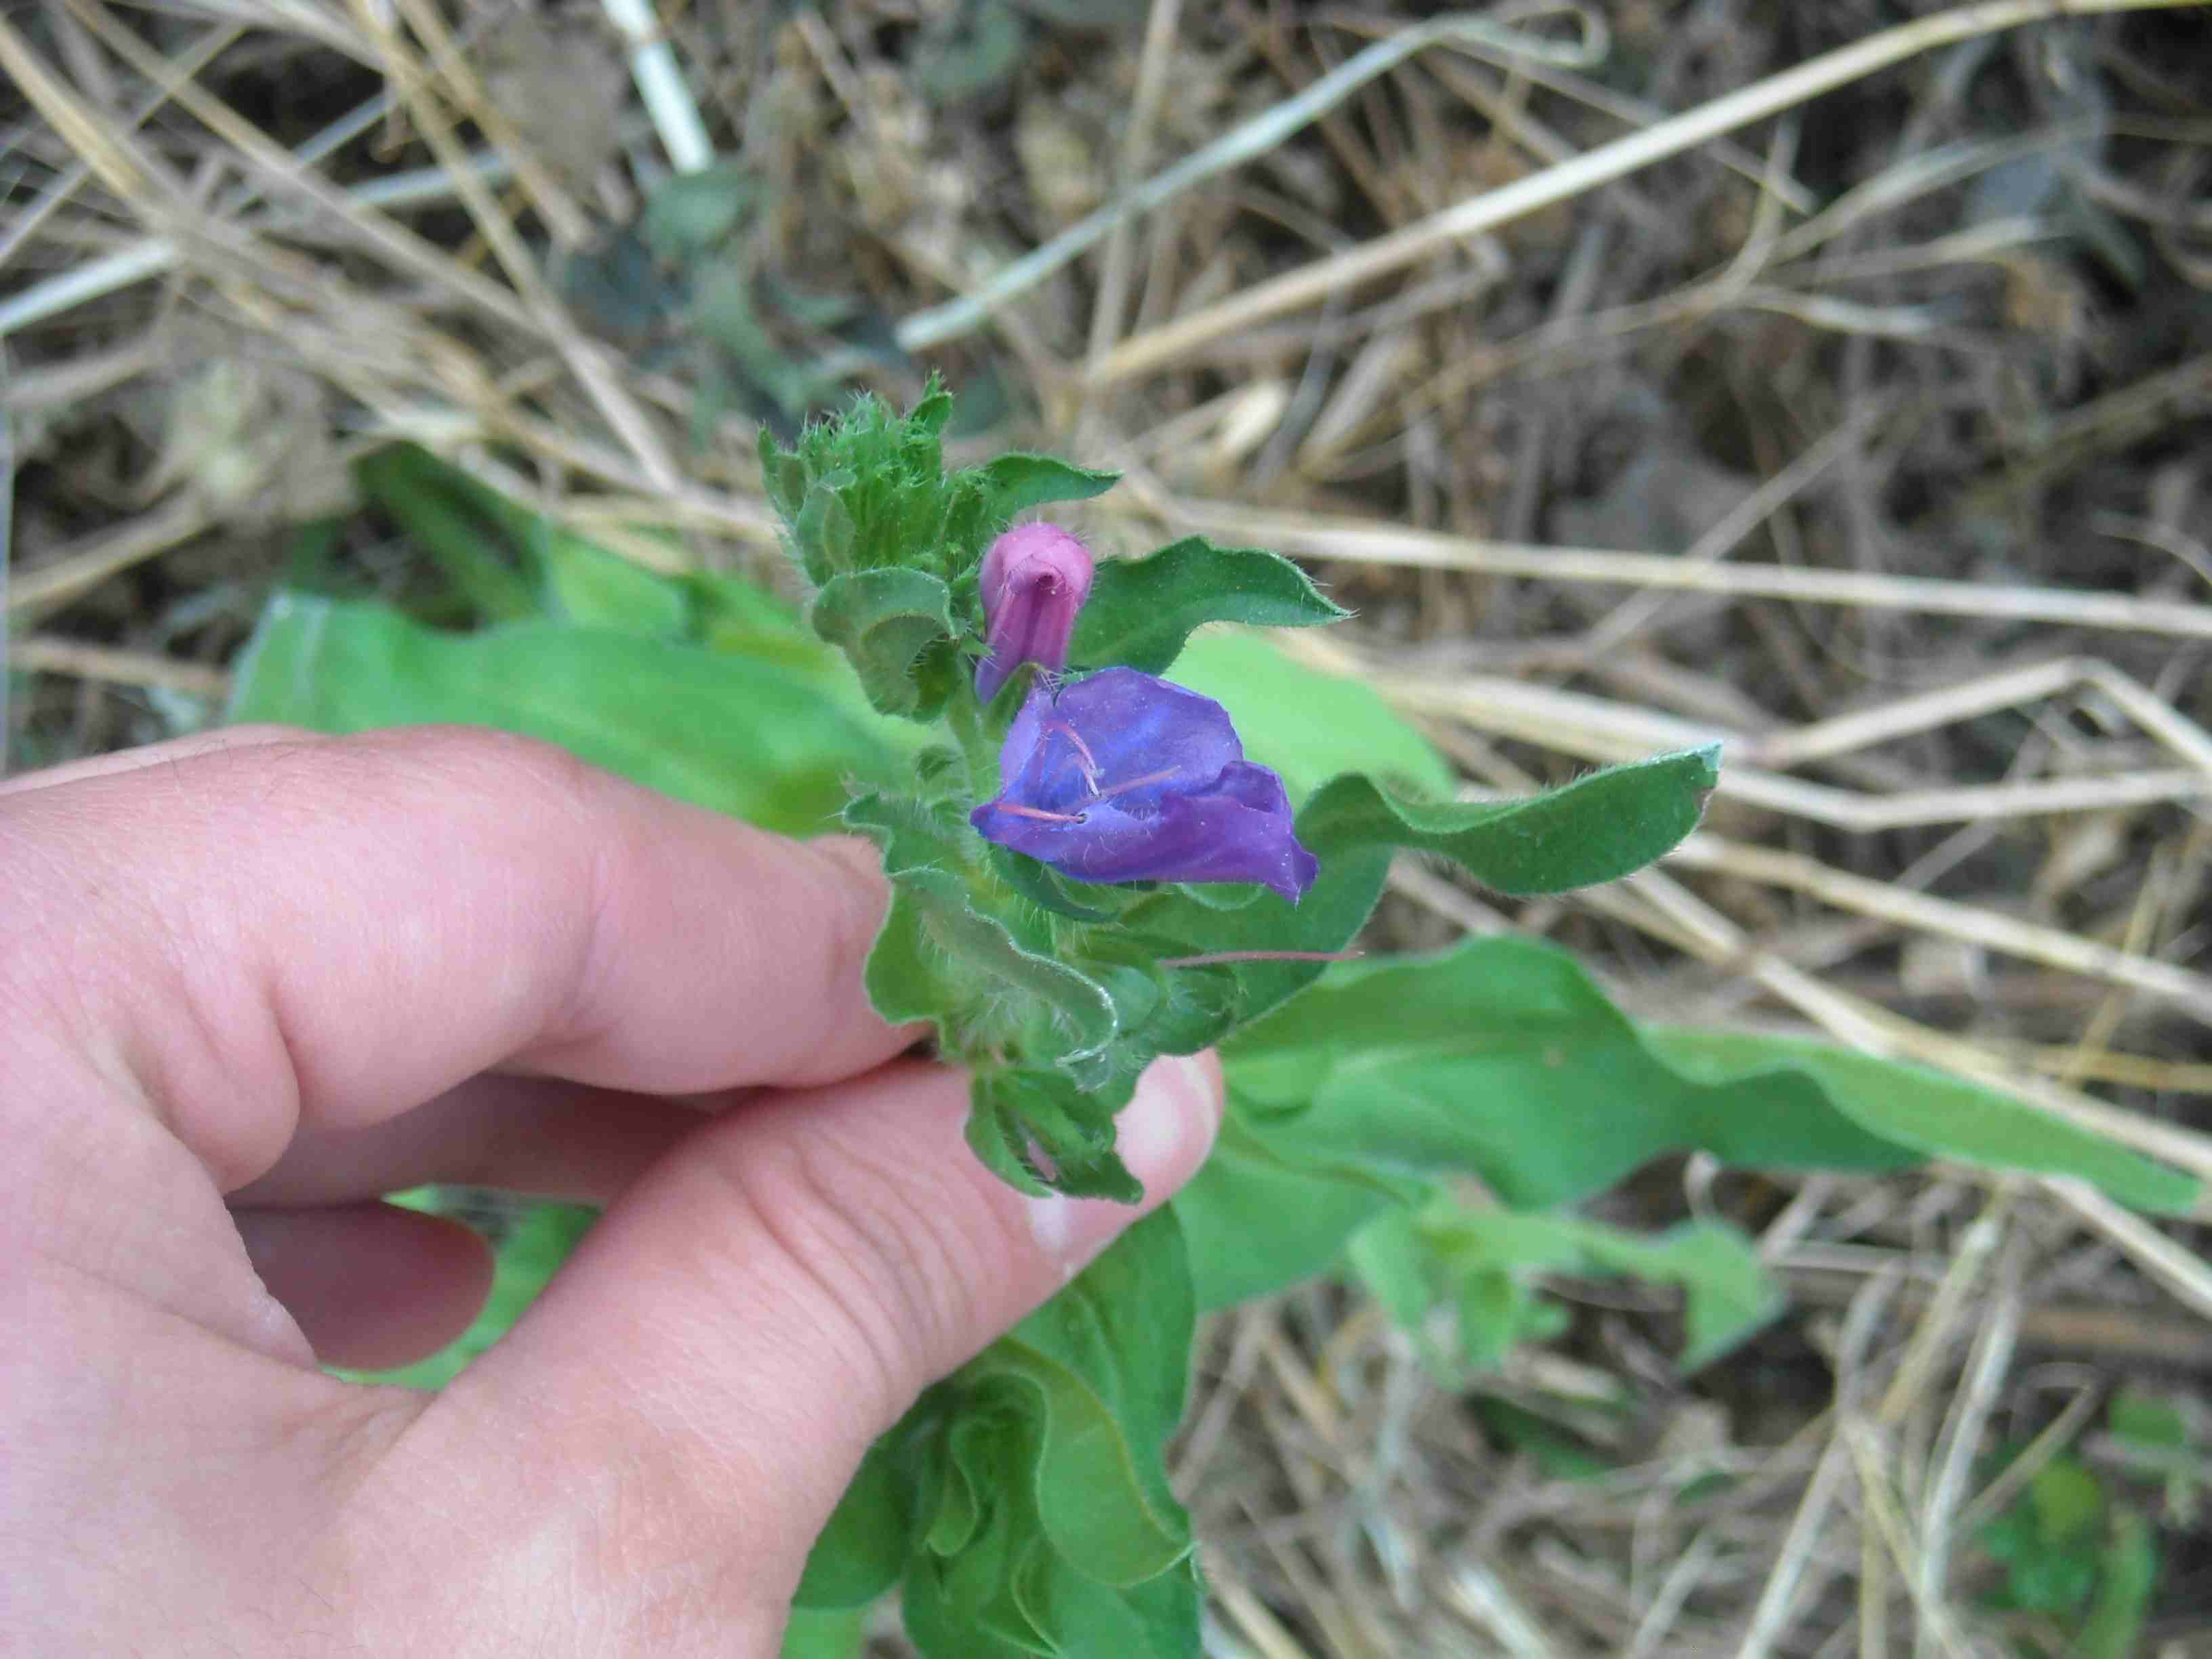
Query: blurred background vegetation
1632, 394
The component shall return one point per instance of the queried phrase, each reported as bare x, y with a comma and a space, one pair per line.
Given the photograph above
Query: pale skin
250, 982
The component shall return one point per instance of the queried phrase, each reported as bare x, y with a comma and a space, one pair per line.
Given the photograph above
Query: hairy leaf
824, 533
1015, 484
1596, 829
1141, 610
1038, 1132
1043, 887
884, 620
939, 955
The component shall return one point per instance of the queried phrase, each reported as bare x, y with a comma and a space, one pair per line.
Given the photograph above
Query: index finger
331, 931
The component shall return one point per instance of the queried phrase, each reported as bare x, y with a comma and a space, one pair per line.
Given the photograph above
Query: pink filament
1096, 793
1039, 812
1089, 760
1086, 762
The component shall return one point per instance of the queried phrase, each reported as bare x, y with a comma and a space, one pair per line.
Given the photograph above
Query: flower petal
1125, 777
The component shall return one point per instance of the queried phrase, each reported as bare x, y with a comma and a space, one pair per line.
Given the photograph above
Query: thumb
688, 1399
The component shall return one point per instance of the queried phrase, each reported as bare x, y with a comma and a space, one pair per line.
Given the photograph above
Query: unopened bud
1035, 579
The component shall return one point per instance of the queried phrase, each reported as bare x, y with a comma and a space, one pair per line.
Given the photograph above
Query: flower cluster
1120, 775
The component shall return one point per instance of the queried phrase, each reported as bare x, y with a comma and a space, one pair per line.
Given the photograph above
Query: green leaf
1105, 1366
1500, 1058
938, 957
1015, 483
1596, 829
1308, 725
1098, 14
585, 583
2127, 1576
824, 533
1486, 1262
783, 476
1257, 1221
509, 559
2051, 1538
1333, 911
453, 519
1141, 611
2147, 1420
1042, 886
746, 737
2069, 1504
690, 214
966, 49
884, 620
862, 1551
874, 494
1055, 1531
838, 1633
1559, 1453
1932, 1113
1039, 1133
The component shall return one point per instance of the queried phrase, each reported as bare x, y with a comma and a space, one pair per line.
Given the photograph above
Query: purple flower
1035, 579
1124, 777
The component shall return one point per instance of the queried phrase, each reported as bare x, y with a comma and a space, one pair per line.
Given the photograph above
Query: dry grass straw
1564, 254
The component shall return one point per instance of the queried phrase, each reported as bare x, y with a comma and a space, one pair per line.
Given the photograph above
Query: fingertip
1163, 1135
1167, 1130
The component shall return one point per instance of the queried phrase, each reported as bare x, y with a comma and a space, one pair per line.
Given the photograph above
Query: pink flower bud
1035, 579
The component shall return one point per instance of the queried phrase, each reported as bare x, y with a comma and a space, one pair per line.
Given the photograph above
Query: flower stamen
1096, 793
1038, 812
1088, 764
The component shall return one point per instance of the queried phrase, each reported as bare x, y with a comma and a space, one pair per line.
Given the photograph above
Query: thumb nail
1163, 1135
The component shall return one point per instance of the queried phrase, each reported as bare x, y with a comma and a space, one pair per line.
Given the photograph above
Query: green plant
1022, 1505
2076, 1554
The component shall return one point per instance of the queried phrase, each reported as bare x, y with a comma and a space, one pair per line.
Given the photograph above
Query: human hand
249, 983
